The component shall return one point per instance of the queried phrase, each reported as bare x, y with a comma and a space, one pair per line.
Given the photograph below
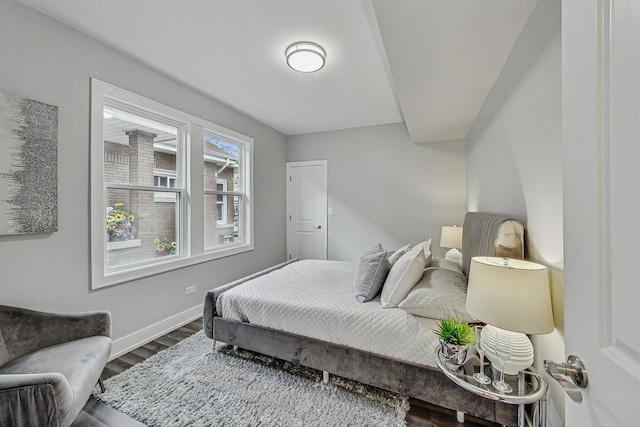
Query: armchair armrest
34, 399
25, 330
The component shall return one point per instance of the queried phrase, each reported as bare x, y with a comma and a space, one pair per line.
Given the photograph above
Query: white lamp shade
514, 296
305, 57
451, 237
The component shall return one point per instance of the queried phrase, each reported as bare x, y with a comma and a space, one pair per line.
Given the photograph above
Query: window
167, 179
150, 212
224, 189
221, 187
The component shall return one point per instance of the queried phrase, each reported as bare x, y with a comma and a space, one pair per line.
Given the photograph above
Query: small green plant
455, 332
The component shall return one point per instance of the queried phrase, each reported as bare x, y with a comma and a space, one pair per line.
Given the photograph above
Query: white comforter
316, 299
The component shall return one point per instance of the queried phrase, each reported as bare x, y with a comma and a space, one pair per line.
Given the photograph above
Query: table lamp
513, 298
451, 237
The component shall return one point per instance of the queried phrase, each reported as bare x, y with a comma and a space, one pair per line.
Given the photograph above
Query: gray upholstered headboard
486, 234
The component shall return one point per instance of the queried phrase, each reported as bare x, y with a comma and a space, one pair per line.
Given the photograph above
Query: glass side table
529, 388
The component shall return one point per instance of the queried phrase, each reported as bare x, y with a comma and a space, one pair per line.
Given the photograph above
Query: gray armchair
49, 364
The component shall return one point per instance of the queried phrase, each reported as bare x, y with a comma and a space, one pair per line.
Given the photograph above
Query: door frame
324, 165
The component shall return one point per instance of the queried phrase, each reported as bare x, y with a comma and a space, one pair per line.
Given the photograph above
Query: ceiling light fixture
305, 57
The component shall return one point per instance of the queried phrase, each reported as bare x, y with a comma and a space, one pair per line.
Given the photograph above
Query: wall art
28, 166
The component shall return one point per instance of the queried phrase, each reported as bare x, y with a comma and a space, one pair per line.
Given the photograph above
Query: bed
305, 312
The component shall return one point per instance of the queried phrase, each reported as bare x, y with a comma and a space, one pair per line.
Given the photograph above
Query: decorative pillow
440, 293
404, 274
371, 272
426, 246
397, 254
446, 264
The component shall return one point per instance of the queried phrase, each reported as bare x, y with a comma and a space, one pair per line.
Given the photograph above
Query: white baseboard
139, 338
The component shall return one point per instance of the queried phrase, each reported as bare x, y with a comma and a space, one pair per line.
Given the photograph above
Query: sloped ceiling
445, 56
428, 62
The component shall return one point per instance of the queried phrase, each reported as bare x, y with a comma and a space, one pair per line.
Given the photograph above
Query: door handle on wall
574, 369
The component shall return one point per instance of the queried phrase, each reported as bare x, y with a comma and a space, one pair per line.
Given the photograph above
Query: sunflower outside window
164, 246
120, 223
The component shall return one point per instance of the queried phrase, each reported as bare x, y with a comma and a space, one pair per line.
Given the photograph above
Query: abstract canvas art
28, 166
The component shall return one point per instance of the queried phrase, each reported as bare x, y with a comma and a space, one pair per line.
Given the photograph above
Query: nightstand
529, 388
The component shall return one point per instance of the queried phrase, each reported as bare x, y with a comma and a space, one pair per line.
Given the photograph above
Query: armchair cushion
4, 352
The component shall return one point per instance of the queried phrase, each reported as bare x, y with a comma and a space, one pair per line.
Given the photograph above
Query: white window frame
191, 230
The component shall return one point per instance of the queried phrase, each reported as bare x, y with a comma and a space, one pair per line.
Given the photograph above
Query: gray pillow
446, 264
371, 272
440, 293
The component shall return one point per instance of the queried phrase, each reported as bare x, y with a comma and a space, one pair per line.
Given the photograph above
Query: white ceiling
428, 62
445, 57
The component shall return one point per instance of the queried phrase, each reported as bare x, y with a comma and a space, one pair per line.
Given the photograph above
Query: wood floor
97, 414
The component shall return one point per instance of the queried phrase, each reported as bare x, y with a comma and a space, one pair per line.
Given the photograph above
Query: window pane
220, 163
222, 220
223, 202
134, 145
138, 229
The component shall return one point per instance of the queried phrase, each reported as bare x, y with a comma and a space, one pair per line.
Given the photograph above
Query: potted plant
455, 338
165, 247
119, 223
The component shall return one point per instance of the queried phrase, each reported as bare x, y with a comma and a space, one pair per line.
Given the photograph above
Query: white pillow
426, 246
440, 293
404, 274
397, 254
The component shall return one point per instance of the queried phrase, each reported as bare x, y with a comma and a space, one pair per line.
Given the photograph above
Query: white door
307, 209
601, 158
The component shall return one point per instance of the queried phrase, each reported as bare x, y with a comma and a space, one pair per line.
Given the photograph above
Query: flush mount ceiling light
305, 57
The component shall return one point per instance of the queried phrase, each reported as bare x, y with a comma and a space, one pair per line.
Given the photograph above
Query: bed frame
484, 234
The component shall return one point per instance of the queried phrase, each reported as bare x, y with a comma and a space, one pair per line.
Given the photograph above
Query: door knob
317, 227
574, 369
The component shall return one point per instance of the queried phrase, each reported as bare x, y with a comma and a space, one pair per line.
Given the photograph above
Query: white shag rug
191, 385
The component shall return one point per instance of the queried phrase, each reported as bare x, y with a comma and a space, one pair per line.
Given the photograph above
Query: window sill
141, 271
133, 243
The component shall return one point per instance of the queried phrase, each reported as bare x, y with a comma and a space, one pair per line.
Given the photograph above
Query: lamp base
521, 349
454, 255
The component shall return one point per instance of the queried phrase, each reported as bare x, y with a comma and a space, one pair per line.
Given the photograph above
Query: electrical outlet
190, 290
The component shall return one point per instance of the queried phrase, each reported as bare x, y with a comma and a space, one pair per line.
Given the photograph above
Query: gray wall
382, 187
514, 160
46, 61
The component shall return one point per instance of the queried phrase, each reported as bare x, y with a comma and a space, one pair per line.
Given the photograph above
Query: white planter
133, 243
